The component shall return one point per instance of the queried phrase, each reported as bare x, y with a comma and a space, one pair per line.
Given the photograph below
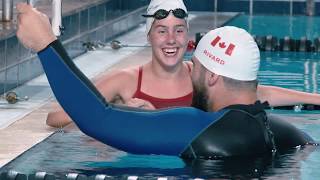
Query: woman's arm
277, 96
58, 118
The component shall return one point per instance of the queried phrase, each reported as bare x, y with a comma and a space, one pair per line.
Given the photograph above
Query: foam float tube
261, 42
286, 44
304, 45
271, 43
13, 175
41, 176
99, 177
75, 176
316, 44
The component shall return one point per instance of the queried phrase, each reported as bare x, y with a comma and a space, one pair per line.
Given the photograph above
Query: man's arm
59, 118
130, 129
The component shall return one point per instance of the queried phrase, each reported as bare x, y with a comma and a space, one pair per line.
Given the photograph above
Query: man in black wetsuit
226, 63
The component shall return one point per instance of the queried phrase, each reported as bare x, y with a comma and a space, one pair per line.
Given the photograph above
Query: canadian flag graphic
223, 45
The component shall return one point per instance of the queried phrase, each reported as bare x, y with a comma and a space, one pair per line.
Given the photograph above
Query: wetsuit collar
255, 108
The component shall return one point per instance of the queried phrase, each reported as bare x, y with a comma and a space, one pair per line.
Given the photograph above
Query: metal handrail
7, 10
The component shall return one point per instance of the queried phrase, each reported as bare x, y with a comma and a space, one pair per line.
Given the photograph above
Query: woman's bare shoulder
126, 74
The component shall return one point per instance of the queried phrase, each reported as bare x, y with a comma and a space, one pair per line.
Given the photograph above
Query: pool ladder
7, 10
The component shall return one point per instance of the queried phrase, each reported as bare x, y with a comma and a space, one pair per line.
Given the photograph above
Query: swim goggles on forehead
161, 14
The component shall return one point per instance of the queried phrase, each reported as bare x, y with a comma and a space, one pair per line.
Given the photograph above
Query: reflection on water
292, 70
285, 165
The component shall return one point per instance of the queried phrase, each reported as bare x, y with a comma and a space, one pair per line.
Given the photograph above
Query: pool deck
22, 125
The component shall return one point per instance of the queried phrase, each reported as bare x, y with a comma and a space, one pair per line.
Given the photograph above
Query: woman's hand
140, 103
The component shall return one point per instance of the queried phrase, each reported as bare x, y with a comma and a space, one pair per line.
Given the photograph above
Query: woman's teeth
170, 51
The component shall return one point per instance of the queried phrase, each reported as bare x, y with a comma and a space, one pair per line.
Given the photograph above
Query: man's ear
212, 78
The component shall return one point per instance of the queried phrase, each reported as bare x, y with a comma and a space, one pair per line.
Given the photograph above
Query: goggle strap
147, 15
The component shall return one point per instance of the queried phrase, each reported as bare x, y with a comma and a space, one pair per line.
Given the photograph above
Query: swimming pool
279, 26
71, 151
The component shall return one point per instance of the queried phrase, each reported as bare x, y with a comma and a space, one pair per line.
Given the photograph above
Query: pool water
71, 151
279, 26
294, 70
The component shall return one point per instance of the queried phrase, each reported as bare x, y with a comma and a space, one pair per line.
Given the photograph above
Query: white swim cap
168, 5
231, 52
